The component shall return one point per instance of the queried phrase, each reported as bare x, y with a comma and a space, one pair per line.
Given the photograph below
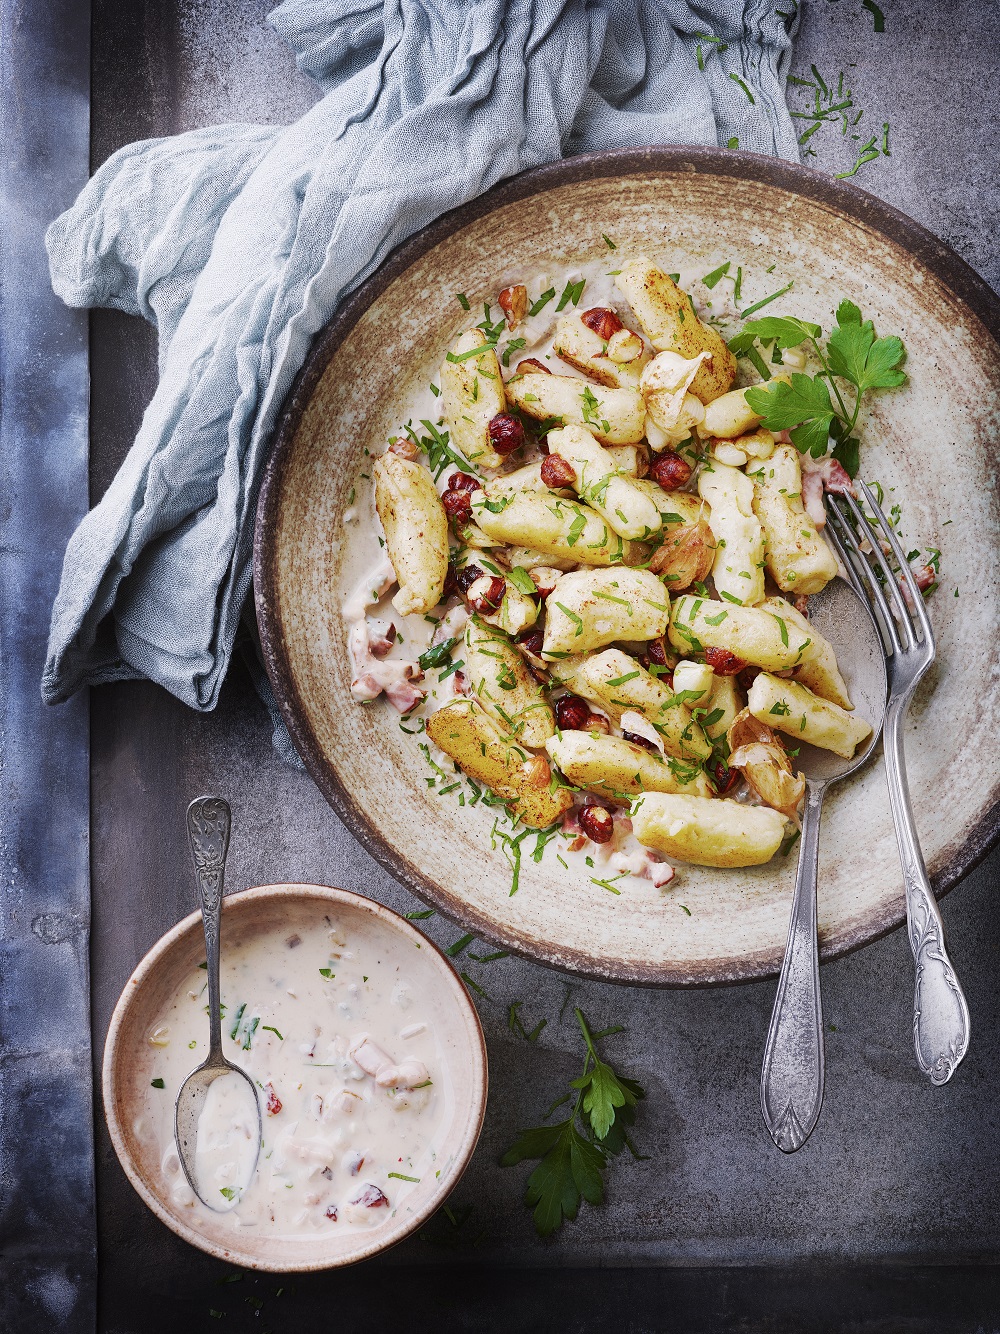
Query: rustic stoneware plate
931, 445
159, 974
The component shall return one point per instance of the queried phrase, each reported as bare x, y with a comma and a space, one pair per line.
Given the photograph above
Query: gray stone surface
896, 1172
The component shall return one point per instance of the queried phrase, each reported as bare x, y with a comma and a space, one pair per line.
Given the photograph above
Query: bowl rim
848, 200
235, 902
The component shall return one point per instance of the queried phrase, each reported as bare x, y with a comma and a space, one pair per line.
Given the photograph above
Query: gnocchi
600, 567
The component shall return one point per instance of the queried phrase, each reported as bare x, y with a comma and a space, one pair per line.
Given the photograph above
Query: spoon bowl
791, 1086
209, 820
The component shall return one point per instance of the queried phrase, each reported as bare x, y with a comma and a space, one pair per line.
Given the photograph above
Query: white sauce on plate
353, 1082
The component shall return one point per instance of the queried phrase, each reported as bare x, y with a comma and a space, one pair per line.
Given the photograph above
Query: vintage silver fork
940, 1012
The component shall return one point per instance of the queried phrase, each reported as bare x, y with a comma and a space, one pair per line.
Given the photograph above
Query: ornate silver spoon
208, 822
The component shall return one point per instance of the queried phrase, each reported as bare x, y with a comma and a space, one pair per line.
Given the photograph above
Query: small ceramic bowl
155, 980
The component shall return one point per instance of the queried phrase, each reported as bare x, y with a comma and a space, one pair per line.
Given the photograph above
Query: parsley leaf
866, 361
783, 330
574, 1153
804, 404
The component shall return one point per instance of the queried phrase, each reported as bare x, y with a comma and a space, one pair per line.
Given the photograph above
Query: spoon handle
940, 1012
208, 823
791, 1084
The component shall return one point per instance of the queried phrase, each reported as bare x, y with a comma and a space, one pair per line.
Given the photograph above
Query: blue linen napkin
238, 241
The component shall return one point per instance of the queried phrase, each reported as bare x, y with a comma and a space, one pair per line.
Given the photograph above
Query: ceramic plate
931, 445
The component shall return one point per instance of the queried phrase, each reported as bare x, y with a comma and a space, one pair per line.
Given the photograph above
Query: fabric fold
238, 242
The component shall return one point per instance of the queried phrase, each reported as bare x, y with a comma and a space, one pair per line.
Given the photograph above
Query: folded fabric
238, 242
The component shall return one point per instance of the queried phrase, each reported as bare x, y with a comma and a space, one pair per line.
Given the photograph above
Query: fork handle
940, 1012
791, 1082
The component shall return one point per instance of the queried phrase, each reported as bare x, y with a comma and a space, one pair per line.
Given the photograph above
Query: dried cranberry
331, 1212
602, 321
450, 584
371, 1197
669, 471
657, 651
748, 676
725, 778
273, 1101
506, 433
467, 576
534, 364
638, 740
597, 823
490, 599
463, 481
458, 506
557, 472
531, 640
722, 662
572, 713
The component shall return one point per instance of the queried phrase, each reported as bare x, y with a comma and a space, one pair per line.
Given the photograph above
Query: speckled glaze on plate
930, 444
155, 979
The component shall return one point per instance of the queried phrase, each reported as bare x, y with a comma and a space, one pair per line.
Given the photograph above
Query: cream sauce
339, 1039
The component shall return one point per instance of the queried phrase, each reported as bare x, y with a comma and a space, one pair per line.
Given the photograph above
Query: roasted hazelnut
557, 472
669, 471
506, 433
489, 596
467, 576
458, 507
597, 823
530, 365
514, 304
532, 640
537, 772
605, 323
406, 449
463, 481
723, 663
572, 713
597, 723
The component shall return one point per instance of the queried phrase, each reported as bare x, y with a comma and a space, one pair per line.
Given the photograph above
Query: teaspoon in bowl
208, 823
791, 1085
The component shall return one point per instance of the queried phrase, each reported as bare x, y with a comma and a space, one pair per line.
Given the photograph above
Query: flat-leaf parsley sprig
574, 1153
805, 408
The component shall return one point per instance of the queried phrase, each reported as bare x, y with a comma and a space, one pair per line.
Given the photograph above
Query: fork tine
842, 554
918, 608
872, 591
892, 591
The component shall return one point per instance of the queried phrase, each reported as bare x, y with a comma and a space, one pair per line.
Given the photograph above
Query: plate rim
847, 200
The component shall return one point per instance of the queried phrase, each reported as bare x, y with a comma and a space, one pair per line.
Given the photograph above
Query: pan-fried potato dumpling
630, 460
555, 527
797, 557
416, 532
669, 406
500, 681
614, 416
794, 709
687, 547
738, 567
724, 702
627, 509
472, 393
528, 559
586, 351
757, 636
617, 683
614, 767
820, 671
706, 832
465, 732
591, 608
731, 415
668, 320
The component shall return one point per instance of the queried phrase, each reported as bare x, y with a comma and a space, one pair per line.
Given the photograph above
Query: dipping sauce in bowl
368, 1060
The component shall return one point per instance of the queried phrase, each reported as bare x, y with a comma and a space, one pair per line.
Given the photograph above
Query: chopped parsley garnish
157, 1083
462, 300
436, 656
571, 292
542, 301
